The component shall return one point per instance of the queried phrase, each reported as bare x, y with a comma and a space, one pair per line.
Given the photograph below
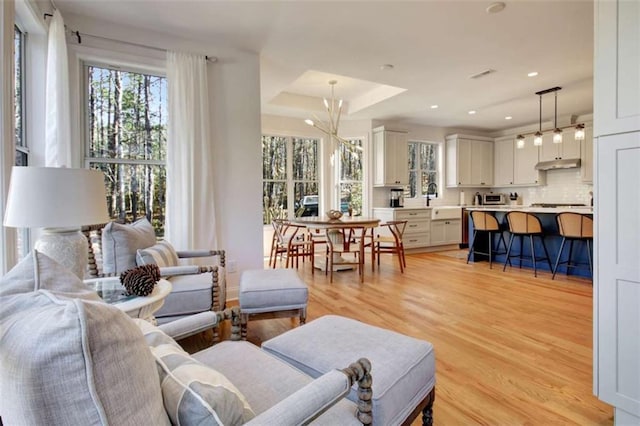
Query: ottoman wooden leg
303, 316
244, 319
427, 412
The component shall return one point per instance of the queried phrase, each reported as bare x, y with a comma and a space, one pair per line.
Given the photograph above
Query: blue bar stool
523, 225
574, 227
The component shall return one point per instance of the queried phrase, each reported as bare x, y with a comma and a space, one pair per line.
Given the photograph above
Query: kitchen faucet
432, 188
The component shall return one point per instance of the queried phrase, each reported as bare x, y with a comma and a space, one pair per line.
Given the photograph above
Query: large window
22, 151
350, 176
127, 133
423, 167
290, 177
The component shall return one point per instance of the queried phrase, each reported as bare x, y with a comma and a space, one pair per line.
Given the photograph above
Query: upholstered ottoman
271, 293
402, 368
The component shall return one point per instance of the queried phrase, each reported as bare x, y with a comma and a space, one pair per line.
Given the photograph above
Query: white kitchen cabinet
390, 157
616, 284
503, 162
586, 156
418, 229
569, 148
516, 166
448, 231
469, 161
524, 165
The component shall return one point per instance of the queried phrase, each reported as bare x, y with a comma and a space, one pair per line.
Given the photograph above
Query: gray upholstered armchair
196, 288
70, 358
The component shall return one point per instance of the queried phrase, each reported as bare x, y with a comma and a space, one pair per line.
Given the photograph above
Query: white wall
235, 116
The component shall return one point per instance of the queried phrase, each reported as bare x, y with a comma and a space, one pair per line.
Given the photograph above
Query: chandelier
334, 110
557, 131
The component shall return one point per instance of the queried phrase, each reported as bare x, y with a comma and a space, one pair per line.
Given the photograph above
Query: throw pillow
194, 394
70, 361
38, 271
162, 254
120, 243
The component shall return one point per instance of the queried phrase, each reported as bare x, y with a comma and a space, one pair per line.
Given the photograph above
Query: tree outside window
350, 176
127, 135
423, 167
290, 178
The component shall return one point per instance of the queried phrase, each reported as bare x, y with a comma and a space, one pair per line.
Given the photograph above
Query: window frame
437, 162
289, 180
88, 160
338, 175
23, 241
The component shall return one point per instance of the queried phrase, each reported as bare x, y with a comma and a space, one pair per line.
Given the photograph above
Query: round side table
112, 292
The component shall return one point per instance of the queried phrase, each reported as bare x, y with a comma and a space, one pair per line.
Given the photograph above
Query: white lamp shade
50, 197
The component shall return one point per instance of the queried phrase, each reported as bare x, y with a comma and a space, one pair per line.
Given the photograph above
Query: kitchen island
552, 239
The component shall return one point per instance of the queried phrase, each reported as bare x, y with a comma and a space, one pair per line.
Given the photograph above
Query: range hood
558, 164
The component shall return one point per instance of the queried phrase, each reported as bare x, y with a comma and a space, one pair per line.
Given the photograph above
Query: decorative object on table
138, 281
152, 270
334, 214
60, 200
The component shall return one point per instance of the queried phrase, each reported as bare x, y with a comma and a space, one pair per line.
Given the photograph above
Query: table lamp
60, 200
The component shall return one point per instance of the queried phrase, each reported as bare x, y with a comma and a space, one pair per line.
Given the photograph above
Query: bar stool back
485, 222
574, 227
522, 224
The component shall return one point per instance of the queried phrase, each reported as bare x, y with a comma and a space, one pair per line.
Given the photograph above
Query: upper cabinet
390, 157
617, 67
513, 166
568, 149
469, 161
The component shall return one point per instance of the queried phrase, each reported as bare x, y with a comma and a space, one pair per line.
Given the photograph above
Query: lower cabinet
417, 232
448, 231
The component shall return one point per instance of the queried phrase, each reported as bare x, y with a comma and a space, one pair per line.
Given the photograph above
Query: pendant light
557, 133
537, 137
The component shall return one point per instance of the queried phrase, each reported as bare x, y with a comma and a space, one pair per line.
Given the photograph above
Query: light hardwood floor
511, 349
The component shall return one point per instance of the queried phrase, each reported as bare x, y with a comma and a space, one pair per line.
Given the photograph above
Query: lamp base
68, 247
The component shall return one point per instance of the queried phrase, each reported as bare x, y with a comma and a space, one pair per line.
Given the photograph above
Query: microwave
494, 199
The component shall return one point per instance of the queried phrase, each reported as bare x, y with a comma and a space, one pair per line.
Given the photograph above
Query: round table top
111, 291
345, 221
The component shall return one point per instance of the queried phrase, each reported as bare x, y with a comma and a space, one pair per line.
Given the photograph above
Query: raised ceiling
434, 47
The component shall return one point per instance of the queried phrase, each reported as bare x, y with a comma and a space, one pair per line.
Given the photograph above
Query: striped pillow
162, 254
193, 393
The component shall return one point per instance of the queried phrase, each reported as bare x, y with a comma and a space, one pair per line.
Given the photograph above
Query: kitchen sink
442, 213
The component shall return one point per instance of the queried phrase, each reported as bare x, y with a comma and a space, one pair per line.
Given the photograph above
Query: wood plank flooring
511, 349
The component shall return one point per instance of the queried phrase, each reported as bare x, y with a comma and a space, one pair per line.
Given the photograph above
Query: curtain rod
79, 35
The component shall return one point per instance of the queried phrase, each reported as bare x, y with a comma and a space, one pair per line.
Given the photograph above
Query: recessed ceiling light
508, 117
495, 7
472, 112
386, 67
532, 74
434, 106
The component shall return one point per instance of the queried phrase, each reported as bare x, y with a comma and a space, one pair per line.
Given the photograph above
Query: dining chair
392, 243
342, 242
290, 241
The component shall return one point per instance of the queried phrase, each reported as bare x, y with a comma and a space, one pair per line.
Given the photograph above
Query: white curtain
190, 221
57, 120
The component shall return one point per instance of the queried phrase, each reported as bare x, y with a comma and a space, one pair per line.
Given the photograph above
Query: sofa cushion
162, 254
190, 294
75, 362
194, 394
121, 242
38, 271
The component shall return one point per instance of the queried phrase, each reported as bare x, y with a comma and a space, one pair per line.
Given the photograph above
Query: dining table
332, 228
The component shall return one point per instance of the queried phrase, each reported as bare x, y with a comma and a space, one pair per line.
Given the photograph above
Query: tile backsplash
563, 186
